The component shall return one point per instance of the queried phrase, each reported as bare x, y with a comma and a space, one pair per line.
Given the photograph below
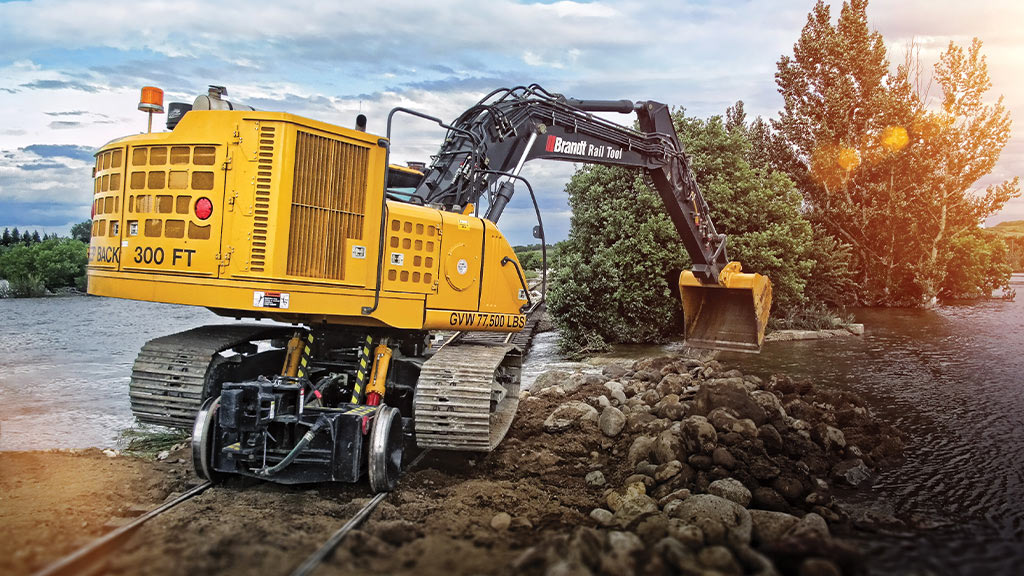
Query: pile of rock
706, 470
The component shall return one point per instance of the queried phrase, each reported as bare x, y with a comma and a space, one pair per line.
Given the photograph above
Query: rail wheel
202, 441
386, 447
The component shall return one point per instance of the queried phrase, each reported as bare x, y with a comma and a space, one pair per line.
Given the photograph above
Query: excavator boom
487, 146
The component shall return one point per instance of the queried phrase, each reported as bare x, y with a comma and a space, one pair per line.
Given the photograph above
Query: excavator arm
487, 146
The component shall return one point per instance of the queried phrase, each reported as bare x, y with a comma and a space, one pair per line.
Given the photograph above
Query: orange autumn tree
887, 174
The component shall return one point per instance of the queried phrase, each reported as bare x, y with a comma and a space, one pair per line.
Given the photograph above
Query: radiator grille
261, 203
328, 205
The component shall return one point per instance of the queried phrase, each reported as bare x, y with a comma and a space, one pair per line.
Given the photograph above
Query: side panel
461, 258
107, 208
412, 249
304, 203
503, 288
160, 228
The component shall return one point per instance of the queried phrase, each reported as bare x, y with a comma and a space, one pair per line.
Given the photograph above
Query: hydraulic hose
300, 446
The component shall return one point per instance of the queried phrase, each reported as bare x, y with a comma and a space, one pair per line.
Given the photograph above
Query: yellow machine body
731, 315
299, 229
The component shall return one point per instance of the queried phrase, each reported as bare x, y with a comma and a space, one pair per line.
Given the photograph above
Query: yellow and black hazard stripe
363, 410
363, 361
307, 354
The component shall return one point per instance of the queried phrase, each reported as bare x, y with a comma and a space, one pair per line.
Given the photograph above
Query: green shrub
28, 286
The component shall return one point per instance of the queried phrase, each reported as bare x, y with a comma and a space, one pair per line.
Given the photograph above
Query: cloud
59, 85
71, 78
83, 153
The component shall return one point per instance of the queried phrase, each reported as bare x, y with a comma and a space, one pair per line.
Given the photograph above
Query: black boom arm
486, 147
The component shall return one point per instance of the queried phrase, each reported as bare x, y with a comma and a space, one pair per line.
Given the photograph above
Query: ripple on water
951, 379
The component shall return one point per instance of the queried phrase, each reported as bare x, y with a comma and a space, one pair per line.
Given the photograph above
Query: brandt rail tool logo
559, 145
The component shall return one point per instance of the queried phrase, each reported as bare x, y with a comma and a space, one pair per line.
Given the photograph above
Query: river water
65, 365
951, 378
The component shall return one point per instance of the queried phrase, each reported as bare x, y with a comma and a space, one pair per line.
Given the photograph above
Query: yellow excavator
401, 313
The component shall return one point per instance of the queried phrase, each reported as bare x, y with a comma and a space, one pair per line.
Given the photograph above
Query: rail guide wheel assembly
202, 441
387, 444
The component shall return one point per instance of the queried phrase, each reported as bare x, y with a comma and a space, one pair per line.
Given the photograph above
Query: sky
71, 72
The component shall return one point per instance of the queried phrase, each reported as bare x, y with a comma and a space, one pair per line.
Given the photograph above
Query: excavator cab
730, 315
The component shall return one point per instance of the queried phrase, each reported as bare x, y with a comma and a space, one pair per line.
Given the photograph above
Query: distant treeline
1013, 234
34, 265
530, 255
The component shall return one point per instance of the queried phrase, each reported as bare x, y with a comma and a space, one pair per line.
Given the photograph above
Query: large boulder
668, 447
851, 472
771, 404
634, 504
725, 421
673, 384
716, 517
731, 489
549, 379
699, 435
570, 414
670, 407
639, 450
770, 526
612, 421
616, 391
729, 393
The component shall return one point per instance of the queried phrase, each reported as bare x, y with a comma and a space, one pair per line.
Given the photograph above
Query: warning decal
270, 300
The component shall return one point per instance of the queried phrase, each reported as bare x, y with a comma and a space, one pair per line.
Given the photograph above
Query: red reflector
204, 208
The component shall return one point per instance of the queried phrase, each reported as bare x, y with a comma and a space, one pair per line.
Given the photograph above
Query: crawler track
173, 374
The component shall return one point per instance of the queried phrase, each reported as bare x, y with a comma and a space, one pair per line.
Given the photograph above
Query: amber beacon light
151, 101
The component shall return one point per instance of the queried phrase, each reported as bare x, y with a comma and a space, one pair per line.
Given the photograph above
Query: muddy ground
448, 515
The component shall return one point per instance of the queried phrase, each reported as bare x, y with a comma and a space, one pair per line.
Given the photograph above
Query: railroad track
88, 559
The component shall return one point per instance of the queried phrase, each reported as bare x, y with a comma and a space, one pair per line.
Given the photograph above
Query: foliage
29, 286
877, 168
82, 231
975, 263
831, 282
1013, 234
530, 256
54, 262
616, 275
610, 284
759, 209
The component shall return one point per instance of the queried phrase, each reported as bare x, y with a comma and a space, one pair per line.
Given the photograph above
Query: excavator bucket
730, 315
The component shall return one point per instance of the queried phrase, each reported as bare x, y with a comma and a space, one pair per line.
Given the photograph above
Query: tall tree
877, 168
82, 231
6, 238
15, 236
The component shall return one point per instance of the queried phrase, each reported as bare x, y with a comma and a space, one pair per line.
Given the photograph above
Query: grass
811, 318
149, 441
